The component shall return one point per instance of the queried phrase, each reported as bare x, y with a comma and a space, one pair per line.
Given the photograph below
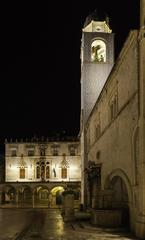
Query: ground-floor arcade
40, 195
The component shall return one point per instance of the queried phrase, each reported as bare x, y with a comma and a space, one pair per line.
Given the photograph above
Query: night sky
40, 62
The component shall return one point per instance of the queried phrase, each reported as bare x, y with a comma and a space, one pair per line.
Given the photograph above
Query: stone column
33, 199
17, 199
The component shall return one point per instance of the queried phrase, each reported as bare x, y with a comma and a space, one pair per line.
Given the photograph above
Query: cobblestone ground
44, 224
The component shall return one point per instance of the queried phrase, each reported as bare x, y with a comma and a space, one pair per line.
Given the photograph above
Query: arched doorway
121, 198
55, 197
25, 196
41, 197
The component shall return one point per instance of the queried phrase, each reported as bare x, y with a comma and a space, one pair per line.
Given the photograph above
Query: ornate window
64, 165
22, 173
42, 149
30, 152
55, 150
22, 165
30, 148
72, 150
47, 172
64, 172
42, 172
97, 124
98, 51
98, 131
113, 104
38, 172
13, 152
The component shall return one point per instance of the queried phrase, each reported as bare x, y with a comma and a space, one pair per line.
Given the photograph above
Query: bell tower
97, 59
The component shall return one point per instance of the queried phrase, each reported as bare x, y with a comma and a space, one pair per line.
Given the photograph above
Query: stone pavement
81, 230
48, 224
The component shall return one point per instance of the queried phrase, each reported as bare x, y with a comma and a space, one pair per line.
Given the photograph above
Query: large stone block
106, 218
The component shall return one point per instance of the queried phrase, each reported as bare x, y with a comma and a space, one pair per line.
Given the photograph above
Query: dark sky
40, 62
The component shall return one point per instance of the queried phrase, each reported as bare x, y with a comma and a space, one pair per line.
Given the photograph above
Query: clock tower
97, 59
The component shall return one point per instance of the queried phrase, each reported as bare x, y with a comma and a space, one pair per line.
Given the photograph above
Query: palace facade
37, 172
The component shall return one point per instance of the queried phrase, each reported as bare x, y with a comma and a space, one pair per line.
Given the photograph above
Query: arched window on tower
98, 51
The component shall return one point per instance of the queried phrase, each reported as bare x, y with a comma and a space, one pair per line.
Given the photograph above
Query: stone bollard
68, 206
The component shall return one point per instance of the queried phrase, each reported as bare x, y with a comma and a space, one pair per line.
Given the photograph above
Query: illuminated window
55, 150
22, 173
113, 104
42, 150
72, 150
42, 172
98, 51
31, 152
64, 165
38, 172
47, 172
14, 153
98, 131
64, 172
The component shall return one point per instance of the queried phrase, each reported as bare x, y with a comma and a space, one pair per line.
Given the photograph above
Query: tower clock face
98, 51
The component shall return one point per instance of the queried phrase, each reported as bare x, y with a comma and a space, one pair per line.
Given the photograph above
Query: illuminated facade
38, 170
113, 130
97, 60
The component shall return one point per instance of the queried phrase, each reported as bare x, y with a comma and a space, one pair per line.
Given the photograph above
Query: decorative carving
64, 162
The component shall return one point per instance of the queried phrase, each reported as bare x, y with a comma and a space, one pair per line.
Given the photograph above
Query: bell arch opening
98, 51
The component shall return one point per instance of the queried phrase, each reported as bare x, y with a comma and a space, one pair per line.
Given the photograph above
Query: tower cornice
97, 26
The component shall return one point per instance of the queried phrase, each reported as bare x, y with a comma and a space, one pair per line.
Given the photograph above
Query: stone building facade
113, 133
37, 172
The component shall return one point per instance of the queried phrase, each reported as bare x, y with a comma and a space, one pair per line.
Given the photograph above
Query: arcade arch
121, 194
41, 196
55, 197
8, 195
35, 196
